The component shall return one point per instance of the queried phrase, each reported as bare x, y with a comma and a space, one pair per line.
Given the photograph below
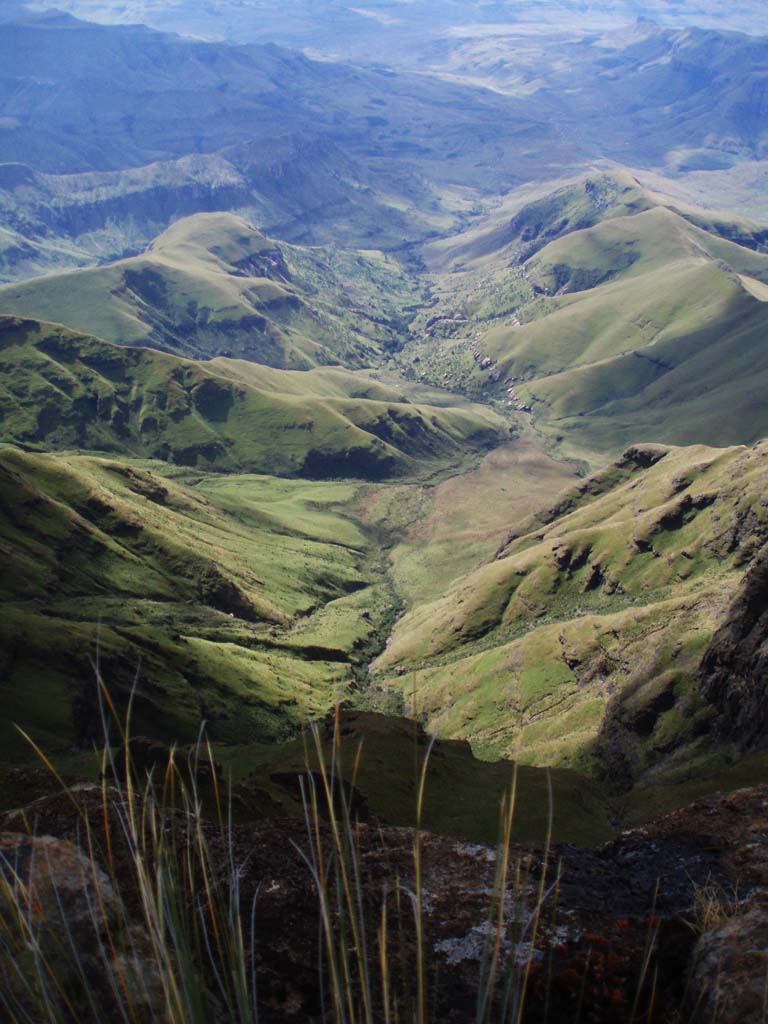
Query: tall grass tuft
167, 932
162, 935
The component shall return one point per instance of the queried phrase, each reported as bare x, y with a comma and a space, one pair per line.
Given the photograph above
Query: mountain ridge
607, 316
543, 654
64, 390
211, 284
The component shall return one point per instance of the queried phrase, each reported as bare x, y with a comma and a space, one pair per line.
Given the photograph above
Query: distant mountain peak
52, 17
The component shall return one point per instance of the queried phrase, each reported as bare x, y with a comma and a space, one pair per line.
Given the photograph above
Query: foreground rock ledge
691, 888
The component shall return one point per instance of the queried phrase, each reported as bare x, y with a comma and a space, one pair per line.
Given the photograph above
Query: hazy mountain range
108, 134
402, 31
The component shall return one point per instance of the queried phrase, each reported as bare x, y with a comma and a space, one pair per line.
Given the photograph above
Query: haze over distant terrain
404, 31
108, 133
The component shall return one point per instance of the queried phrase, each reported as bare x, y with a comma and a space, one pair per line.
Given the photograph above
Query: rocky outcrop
730, 966
734, 670
61, 915
597, 934
55, 877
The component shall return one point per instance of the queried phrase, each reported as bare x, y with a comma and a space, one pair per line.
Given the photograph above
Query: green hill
610, 316
520, 228
656, 332
213, 285
592, 620
530, 218
236, 599
63, 390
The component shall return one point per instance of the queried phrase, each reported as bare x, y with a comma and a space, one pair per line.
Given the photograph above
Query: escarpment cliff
734, 669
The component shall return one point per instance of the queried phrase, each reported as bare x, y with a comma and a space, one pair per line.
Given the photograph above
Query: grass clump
713, 906
155, 930
153, 913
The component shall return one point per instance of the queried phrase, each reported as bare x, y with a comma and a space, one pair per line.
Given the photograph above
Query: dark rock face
730, 966
54, 899
362, 462
573, 927
734, 671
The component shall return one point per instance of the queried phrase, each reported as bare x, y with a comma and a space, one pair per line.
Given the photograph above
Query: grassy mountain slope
445, 529
596, 615
379, 755
65, 390
609, 315
22, 257
658, 335
213, 285
477, 277
635, 243
191, 585
524, 223
537, 214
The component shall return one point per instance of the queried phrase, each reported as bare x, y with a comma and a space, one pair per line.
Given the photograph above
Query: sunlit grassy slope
647, 328
590, 623
615, 316
194, 585
444, 530
213, 285
64, 390
526, 221
246, 601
